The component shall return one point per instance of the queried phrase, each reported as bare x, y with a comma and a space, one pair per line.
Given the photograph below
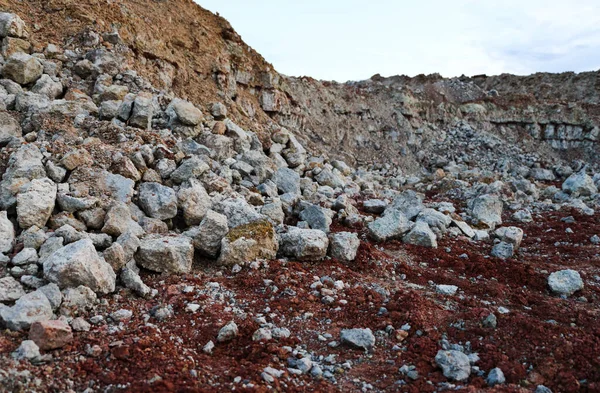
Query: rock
358, 338
317, 217
77, 300
207, 236
287, 181
437, 221
487, 210
421, 235
9, 128
218, 110
446, 289
52, 292
80, 325
50, 245
374, 206
7, 233
503, 250
344, 246
25, 257
30, 308
193, 167
183, 111
130, 243
523, 215
35, 202
121, 315
71, 204
118, 221
512, 235
246, 243
392, 225
158, 201
22, 68
11, 25
133, 281
454, 364
579, 184
115, 256
273, 211
262, 334
595, 239
542, 389
125, 167
409, 203
495, 377
28, 350
490, 321
194, 201
227, 332
166, 254
10, 289
79, 264
142, 111
237, 211
47, 87
565, 282
464, 228
304, 244
51, 334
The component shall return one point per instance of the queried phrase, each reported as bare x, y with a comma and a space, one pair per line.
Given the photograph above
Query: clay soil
542, 340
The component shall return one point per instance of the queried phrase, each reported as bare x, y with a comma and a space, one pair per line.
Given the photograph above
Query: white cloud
354, 39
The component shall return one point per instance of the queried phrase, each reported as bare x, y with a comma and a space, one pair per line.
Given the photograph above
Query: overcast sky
353, 40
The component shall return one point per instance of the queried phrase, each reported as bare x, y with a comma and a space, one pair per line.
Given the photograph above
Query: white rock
35, 202
7, 233
304, 244
565, 282
454, 364
166, 254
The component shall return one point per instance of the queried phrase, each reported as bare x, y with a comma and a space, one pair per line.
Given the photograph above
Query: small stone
208, 348
344, 246
10, 289
503, 250
51, 334
262, 334
490, 321
454, 364
168, 254
80, 325
227, 332
446, 289
495, 377
359, 338
158, 201
304, 244
28, 350
121, 315
565, 282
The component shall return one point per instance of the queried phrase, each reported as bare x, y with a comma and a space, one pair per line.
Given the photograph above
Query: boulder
580, 184
503, 250
7, 233
248, 242
454, 364
158, 201
193, 167
50, 334
10, 289
409, 203
565, 282
374, 206
22, 68
487, 210
344, 246
142, 111
166, 254
287, 181
35, 202
317, 217
207, 236
194, 201
304, 244
183, 111
30, 308
9, 128
512, 235
358, 338
421, 235
237, 211
77, 264
227, 332
11, 25
392, 225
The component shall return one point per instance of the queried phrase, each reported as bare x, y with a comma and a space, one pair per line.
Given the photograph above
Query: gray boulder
304, 244
344, 246
22, 68
166, 254
565, 282
503, 250
133, 281
207, 236
193, 167
287, 180
158, 201
454, 364
317, 217
11, 25
28, 309
487, 210
142, 111
580, 184
374, 206
495, 377
409, 203
7, 233
237, 211
421, 235
9, 128
392, 225
77, 264
10, 289
183, 111
194, 201
512, 235
358, 338
35, 202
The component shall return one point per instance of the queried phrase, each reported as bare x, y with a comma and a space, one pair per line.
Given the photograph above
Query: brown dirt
543, 340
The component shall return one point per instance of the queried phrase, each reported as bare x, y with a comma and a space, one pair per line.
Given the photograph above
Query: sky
353, 40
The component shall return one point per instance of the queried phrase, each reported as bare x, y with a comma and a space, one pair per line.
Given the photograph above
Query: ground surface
542, 340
